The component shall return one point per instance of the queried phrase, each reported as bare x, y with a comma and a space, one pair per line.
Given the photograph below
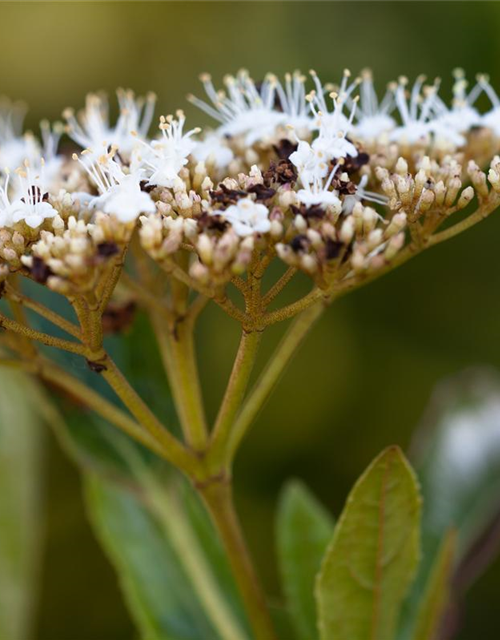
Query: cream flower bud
204, 247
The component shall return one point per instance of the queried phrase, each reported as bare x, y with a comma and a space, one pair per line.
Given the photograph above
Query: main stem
219, 502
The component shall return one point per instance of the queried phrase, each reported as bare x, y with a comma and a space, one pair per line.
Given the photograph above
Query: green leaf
21, 488
304, 528
158, 594
436, 595
372, 558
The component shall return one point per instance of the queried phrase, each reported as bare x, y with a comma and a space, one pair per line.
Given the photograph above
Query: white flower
247, 217
415, 113
316, 190
492, 118
294, 103
30, 203
372, 117
119, 192
91, 129
213, 148
462, 115
244, 109
311, 163
334, 146
164, 158
450, 123
333, 122
15, 147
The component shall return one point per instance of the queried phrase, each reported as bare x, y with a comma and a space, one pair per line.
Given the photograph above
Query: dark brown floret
145, 186
300, 243
212, 223
315, 211
107, 249
351, 164
262, 192
40, 271
118, 317
226, 196
332, 248
282, 172
285, 148
344, 187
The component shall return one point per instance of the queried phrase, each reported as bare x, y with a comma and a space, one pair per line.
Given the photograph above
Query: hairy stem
38, 336
42, 310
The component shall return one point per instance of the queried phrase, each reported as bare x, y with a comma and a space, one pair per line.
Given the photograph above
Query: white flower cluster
326, 126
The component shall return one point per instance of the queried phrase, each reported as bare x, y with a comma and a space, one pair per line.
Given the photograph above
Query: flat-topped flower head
30, 203
162, 159
120, 193
247, 217
91, 127
373, 117
243, 109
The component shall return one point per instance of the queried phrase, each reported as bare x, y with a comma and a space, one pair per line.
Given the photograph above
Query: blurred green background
365, 375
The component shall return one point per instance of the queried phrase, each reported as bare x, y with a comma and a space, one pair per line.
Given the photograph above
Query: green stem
235, 391
218, 500
174, 451
43, 338
269, 378
178, 354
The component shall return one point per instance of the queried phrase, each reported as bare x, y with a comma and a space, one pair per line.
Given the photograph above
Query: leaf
167, 509
372, 558
158, 594
436, 595
21, 486
304, 528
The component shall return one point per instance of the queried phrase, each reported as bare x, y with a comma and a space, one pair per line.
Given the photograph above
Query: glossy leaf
372, 558
304, 528
21, 487
437, 592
